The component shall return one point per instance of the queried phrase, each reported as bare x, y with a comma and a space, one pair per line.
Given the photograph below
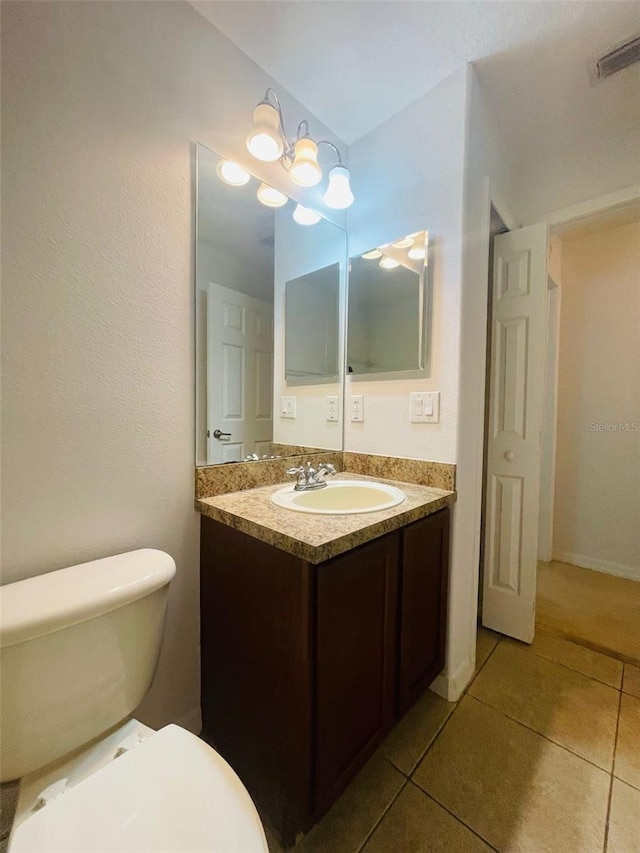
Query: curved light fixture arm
331, 145
271, 97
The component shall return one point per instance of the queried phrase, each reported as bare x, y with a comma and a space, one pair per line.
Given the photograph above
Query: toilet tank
78, 651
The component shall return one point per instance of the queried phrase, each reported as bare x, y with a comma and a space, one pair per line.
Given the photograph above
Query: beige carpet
598, 610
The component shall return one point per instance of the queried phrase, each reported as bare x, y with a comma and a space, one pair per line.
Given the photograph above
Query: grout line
455, 816
615, 745
382, 816
571, 669
546, 737
456, 705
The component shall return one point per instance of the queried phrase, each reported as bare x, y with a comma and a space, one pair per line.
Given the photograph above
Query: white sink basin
340, 498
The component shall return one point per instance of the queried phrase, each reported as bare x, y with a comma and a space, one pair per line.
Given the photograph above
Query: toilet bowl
78, 648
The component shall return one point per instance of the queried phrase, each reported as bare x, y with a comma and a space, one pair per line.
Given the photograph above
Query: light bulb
338, 194
389, 263
270, 196
417, 253
305, 216
305, 170
265, 140
232, 174
402, 244
372, 255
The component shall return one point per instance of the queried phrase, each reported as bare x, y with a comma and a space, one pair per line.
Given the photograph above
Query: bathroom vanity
318, 634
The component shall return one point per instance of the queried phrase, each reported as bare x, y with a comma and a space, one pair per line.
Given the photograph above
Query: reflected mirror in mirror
311, 326
388, 300
246, 252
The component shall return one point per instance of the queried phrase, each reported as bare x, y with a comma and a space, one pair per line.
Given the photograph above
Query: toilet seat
170, 794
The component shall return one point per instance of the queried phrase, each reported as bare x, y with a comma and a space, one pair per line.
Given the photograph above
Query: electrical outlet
287, 407
357, 408
424, 407
332, 409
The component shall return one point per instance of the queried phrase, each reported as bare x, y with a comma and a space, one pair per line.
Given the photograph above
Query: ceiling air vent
618, 59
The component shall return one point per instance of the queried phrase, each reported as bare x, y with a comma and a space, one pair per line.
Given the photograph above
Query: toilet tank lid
40, 605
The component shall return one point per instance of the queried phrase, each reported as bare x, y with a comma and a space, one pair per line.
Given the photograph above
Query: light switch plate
333, 412
287, 407
424, 407
357, 408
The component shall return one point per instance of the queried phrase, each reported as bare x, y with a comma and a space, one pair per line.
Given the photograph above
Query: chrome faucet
309, 477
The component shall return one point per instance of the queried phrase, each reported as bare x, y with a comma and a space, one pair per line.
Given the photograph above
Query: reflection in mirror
245, 252
311, 326
388, 298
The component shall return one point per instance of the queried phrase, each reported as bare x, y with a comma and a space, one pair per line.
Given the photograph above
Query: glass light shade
305, 170
265, 140
270, 196
402, 244
416, 253
372, 255
389, 263
232, 174
305, 216
338, 194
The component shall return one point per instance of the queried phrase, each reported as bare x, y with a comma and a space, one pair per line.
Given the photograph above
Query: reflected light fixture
402, 244
389, 263
372, 255
418, 250
268, 141
305, 216
233, 174
270, 196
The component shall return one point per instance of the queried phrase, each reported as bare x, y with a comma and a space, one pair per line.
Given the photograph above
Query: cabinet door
423, 605
355, 661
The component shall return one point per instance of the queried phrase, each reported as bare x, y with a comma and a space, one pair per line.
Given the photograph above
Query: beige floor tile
416, 824
631, 680
516, 789
624, 819
350, 820
486, 642
600, 610
565, 706
413, 735
627, 764
603, 668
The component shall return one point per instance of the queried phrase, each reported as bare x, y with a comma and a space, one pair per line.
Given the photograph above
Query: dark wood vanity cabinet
306, 668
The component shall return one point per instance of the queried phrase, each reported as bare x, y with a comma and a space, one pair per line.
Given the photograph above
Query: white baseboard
192, 721
605, 566
451, 687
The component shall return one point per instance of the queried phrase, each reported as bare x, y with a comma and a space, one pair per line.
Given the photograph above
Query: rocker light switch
424, 407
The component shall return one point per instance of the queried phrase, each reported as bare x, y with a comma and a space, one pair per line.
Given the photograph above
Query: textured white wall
101, 105
597, 493
407, 175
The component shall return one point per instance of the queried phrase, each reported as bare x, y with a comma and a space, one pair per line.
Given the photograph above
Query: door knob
508, 455
217, 433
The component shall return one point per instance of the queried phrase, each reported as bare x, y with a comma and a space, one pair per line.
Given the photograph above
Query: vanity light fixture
268, 141
233, 174
270, 196
305, 216
403, 244
389, 263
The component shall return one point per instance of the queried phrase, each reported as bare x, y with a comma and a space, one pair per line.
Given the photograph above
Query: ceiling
615, 217
355, 64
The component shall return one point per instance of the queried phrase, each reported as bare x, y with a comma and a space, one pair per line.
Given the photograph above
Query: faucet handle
325, 469
299, 472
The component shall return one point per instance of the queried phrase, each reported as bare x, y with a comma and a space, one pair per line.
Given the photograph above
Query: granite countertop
316, 538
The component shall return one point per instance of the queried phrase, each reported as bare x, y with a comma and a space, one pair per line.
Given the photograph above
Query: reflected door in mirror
239, 375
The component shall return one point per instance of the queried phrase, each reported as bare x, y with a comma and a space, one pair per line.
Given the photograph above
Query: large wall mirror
389, 298
270, 312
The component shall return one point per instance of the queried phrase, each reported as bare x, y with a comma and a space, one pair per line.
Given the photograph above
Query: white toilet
79, 647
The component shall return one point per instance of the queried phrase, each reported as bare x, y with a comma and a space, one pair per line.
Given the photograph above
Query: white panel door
516, 392
239, 375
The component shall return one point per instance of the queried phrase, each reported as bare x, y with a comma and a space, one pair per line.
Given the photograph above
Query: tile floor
541, 755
